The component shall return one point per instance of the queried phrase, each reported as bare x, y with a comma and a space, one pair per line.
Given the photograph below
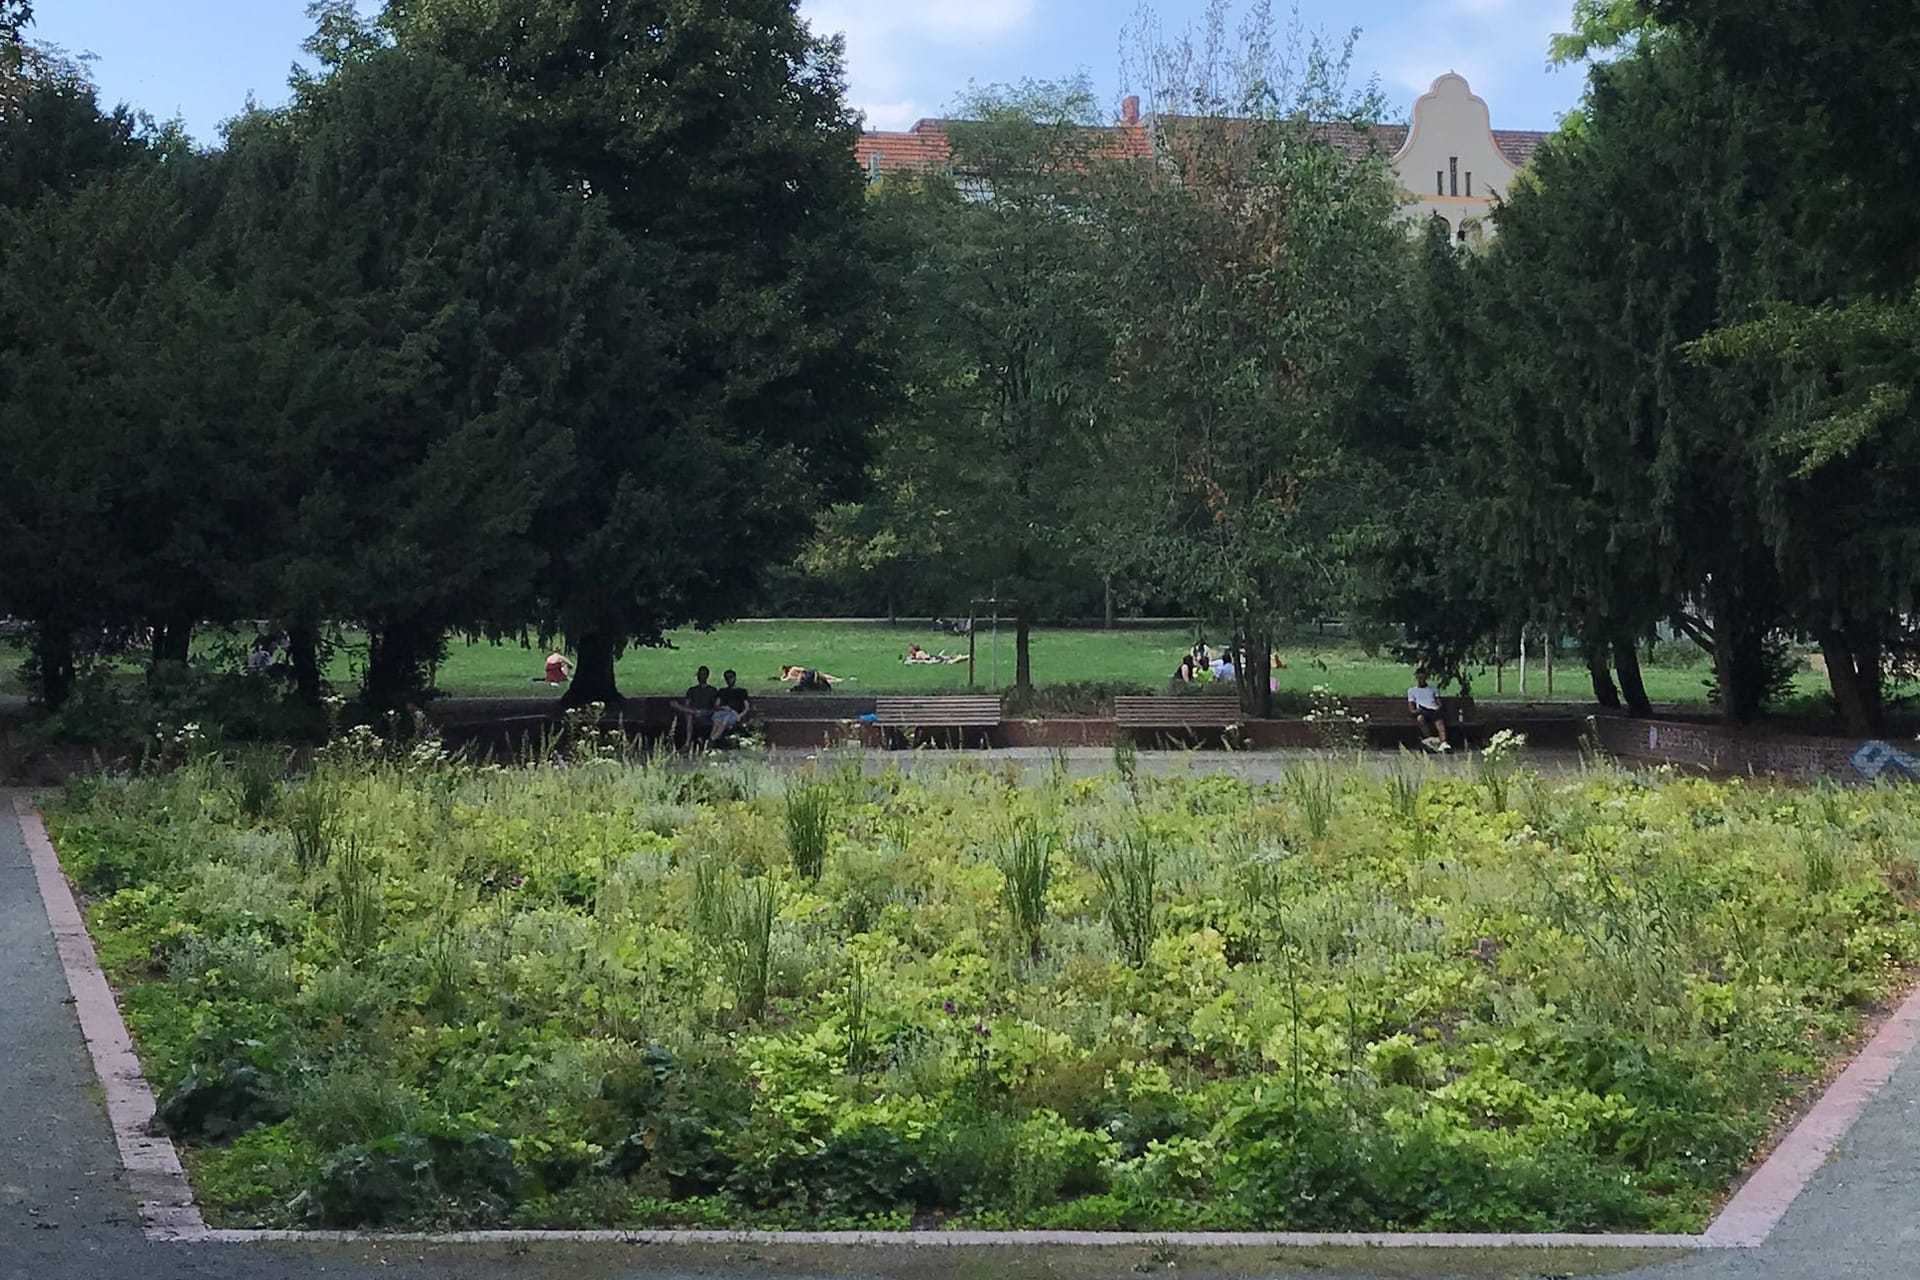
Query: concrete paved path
66, 1213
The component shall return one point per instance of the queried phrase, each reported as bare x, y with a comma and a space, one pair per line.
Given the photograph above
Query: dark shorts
1428, 719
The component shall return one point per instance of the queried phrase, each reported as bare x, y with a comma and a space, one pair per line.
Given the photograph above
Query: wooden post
970, 647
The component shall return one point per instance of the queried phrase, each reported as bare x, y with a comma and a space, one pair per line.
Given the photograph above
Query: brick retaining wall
1726, 749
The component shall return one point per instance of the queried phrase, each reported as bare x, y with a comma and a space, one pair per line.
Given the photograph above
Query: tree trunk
397, 658
1604, 691
1251, 666
593, 678
303, 655
1023, 648
53, 646
1853, 673
1740, 662
172, 641
1626, 660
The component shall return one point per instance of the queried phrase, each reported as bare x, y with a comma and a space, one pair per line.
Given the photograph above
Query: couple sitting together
712, 712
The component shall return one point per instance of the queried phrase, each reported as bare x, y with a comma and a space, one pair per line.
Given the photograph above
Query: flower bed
411, 993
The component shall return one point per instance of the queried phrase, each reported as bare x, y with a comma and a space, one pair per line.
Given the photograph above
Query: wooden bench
1167, 713
905, 718
1390, 715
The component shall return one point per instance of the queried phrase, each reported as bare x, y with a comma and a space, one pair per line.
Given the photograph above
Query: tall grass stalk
1313, 790
749, 958
810, 811
1026, 864
1129, 871
313, 815
357, 904
859, 1020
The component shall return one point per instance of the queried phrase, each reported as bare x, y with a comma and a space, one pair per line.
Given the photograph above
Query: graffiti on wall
1876, 760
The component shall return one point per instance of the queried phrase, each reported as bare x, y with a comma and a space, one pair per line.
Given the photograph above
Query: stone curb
159, 1184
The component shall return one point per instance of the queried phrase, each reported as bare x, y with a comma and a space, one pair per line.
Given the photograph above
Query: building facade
1450, 159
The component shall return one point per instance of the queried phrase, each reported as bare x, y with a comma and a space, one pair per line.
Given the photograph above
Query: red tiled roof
1518, 145
929, 146
1360, 141
925, 146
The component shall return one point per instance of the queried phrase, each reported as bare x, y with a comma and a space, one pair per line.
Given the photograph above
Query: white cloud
891, 44
1498, 45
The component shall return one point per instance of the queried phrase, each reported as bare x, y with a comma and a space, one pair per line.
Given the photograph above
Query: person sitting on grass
916, 656
1423, 700
559, 670
808, 679
731, 706
697, 706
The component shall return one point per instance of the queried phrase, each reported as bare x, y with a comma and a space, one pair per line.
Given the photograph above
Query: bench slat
939, 713
1153, 712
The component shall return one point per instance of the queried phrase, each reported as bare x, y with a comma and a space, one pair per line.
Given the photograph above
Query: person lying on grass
918, 657
809, 679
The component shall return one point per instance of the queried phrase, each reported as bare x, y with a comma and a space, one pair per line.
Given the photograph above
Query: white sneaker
1446, 746
1431, 744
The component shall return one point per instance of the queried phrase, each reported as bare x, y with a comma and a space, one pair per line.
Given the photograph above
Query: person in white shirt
1423, 700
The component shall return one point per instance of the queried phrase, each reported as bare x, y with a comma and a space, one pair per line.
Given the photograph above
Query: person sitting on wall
731, 706
697, 706
1423, 700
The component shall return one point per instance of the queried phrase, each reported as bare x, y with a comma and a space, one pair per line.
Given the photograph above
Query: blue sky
200, 60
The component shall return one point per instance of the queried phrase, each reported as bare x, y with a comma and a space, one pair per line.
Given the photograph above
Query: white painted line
1756, 1209
988, 1239
159, 1184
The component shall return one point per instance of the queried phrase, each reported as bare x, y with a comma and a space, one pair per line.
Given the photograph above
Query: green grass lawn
867, 656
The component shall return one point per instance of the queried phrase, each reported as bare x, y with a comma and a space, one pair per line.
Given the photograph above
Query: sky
201, 60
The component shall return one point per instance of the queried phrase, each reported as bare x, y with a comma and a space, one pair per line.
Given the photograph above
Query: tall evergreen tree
427, 315
714, 136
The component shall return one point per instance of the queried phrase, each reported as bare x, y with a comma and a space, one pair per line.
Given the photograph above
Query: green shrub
576, 996
459, 1179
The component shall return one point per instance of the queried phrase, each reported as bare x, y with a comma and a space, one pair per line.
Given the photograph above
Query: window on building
1453, 168
1439, 183
1469, 182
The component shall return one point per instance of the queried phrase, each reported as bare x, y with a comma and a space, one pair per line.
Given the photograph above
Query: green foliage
598, 996
810, 813
1129, 868
1026, 863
